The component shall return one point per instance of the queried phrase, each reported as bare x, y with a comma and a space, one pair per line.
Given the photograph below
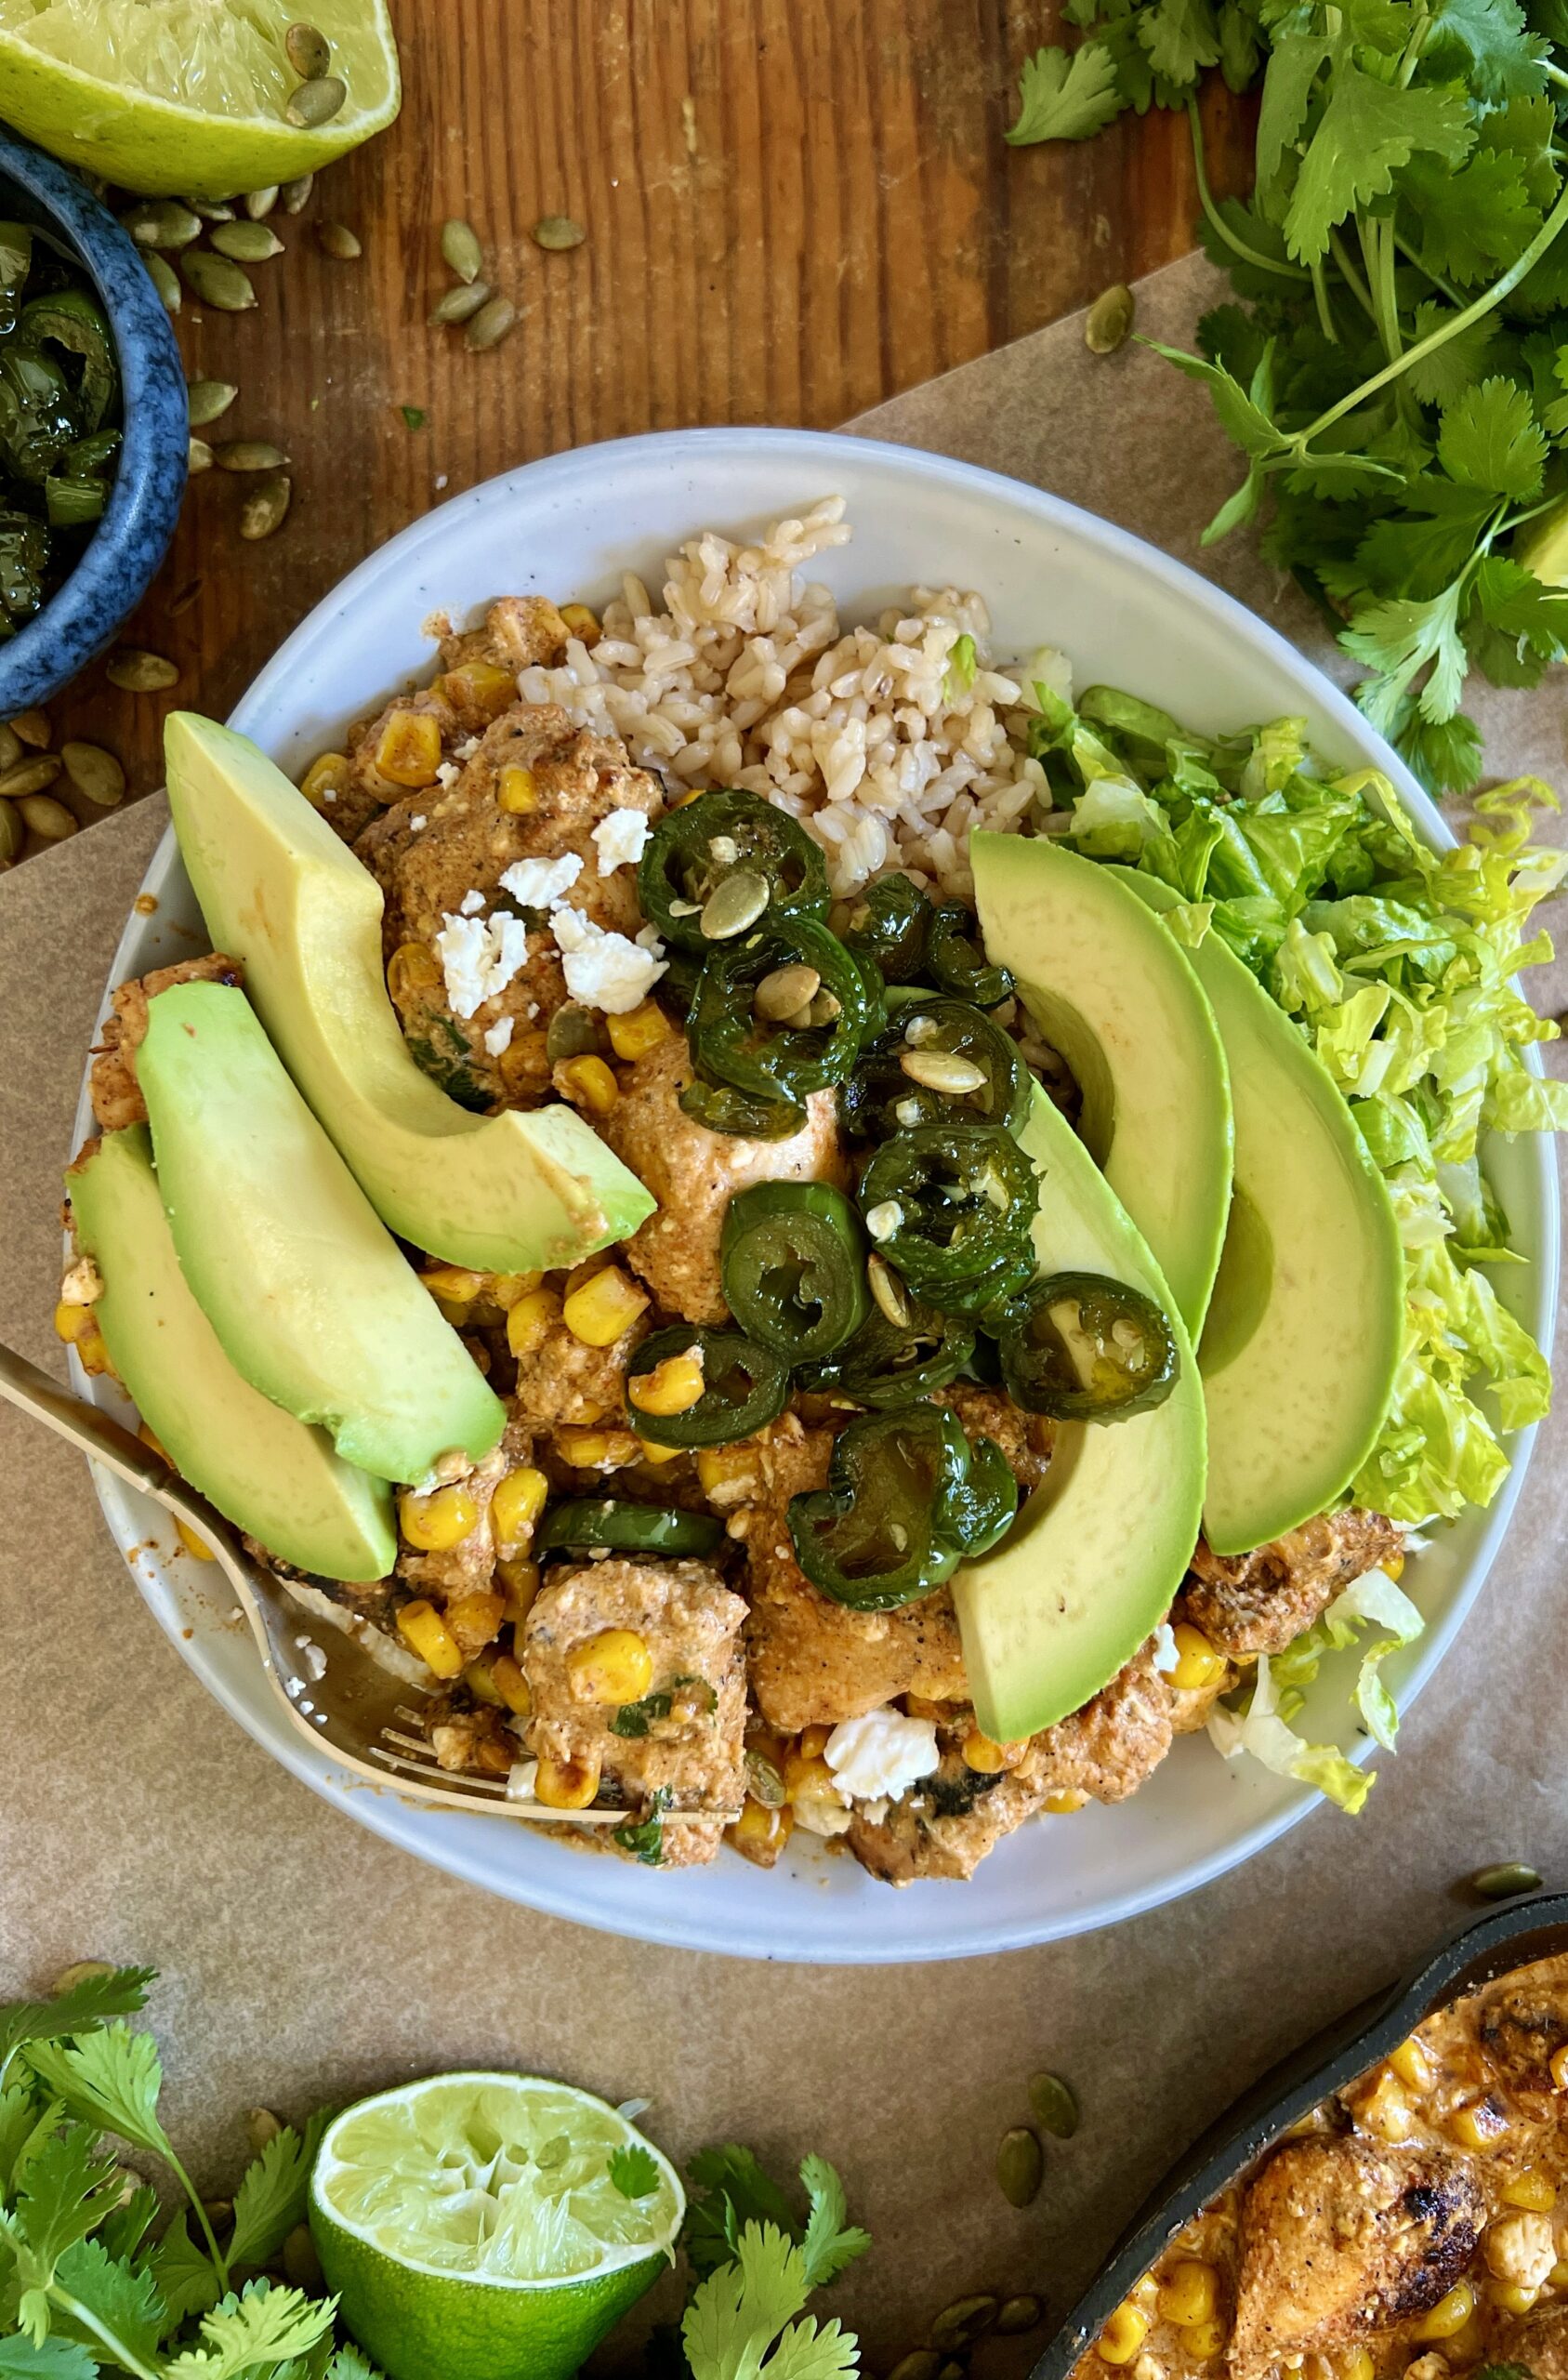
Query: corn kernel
520, 1583
193, 1543
436, 1522
1206, 2340
506, 1675
454, 1282
516, 1506
1125, 2332
148, 1438
760, 1830
648, 1452
1189, 2295
586, 1082
1198, 1663
1449, 2315
478, 685
1386, 2111
615, 1666
92, 1355
1557, 2067
566, 1784
814, 1742
807, 1778
411, 973
1481, 2125
326, 780
583, 624
481, 1685
516, 790
408, 750
531, 1320
1063, 1805
1356, 2365
1558, 2277
604, 1308
426, 1633
987, 1757
1145, 2293
1394, 1563
1512, 2297
475, 1618
596, 1449
1533, 2189
641, 1029
73, 1322
673, 1387
1412, 2065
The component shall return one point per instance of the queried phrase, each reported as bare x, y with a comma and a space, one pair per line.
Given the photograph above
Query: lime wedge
473, 2228
186, 97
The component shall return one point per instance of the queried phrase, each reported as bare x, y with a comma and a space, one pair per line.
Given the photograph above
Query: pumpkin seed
459, 245
302, 2267
162, 223
96, 773
778, 995
216, 280
968, 2318
736, 901
824, 1008
1501, 1883
921, 2365
248, 454
260, 202
884, 1219
1055, 2109
208, 398
317, 102
940, 1070
136, 672
952, 2372
211, 211
248, 243
308, 51
81, 1971
1108, 319
47, 818
161, 273
888, 1291
571, 1033
10, 748
340, 242
30, 777
296, 195
183, 600
458, 304
763, 1781
1018, 2314
491, 324
1021, 2161
558, 231
261, 2126
198, 456
10, 834
33, 728
265, 512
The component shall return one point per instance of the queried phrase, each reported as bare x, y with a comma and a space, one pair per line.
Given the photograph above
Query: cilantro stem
1408, 252
219, 2261
1553, 74
1319, 293
115, 2348
1351, 278
1232, 239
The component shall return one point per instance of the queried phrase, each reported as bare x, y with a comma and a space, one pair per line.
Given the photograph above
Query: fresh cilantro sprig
759, 2264
1395, 371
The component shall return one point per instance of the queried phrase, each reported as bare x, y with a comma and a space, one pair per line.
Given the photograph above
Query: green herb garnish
633, 2173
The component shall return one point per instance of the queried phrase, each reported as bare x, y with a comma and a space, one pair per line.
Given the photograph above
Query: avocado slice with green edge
512, 1193
1116, 997
311, 1296
1306, 1325
265, 1472
1091, 1566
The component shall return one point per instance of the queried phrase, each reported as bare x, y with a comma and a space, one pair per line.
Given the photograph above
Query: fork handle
94, 1434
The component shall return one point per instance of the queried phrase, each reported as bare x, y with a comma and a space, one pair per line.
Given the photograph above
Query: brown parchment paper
305, 1961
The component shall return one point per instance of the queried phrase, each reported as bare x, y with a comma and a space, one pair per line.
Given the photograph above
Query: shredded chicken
1261, 1602
117, 1100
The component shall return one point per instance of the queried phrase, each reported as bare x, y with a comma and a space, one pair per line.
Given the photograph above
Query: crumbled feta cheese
82, 1284
522, 1780
1166, 1654
447, 776
499, 1036
311, 1657
880, 1756
418, 825
479, 957
603, 970
619, 839
468, 746
471, 905
539, 883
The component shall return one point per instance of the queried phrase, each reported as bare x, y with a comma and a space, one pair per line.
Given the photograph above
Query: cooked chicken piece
1521, 2030
1024, 1439
689, 1751
1113, 1743
519, 632
466, 1734
561, 1379
117, 1099
1521, 2249
813, 1661
459, 1579
693, 1174
1340, 2237
368, 793
1261, 1602
1191, 1706
1537, 2340
946, 1826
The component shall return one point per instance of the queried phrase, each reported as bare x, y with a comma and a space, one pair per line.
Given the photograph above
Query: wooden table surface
793, 208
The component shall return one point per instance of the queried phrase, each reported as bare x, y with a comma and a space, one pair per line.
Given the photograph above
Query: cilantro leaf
110, 2079
736, 2191
1240, 46
1419, 555
1295, 65
1488, 45
124, 2231
1401, 638
1443, 755
1368, 129
1448, 371
67, 2191
1066, 99
262, 2325
1489, 440
271, 2197
830, 2241
633, 2171
1469, 224
644, 1838
350, 2364
1244, 419
739, 2310
123, 2297
186, 2280
23, 2359
1179, 37
81, 2010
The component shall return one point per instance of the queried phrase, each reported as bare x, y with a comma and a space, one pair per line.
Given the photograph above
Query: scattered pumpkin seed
459, 245
30, 777
211, 211
198, 456
248, 243
763, 1781
941, 1070
248, 454
183, 600
921, 2365
261, 2126
10, 748
302, 2267
458, 304
950, 2370
887, 1290
162, 223
216, 280
1018, 2314
968, 2318
81, 1971
571, 1033
308, 51
136, 672
317, 102
208, 398
490, 326
823, 1009
736, 901
260, 202
558, 231
413, 417
338, 242
265, 512
783, 991
47, 818
1055, 2109
11, 836
294, 196
161, 273
96, 773
1021, 2166
1502, 1883
1108, 319
33, 728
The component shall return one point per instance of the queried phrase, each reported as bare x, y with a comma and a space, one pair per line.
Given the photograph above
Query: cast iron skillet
1483, 1947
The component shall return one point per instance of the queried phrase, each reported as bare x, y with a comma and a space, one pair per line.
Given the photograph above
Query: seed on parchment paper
1021, 2166
216, 280
1055, 2107
96, 775
247, 243
265, 512
558, 231
1502, 1883
47, 818
457, 305
161, 274
294, 196
208, 399
198, 456
29, 777
1018, 2314
248, 454
260, 202
10, 748
261, 2126
491, 324
924, 2364
33, 728
308, 51
136, 672
316, 102
968, 2318
459, 245
340, 242
183, 600
83, 1971
12, 835
162, 223
1108, 319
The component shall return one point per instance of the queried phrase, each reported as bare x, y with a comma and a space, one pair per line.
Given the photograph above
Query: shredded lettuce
1259, 1729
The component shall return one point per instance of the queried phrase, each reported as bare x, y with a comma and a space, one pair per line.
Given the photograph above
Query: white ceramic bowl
1127, 615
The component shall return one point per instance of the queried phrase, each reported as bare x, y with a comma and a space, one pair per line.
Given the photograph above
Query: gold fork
344, 1703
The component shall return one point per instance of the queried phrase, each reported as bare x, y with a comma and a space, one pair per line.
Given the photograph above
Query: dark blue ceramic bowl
132, 537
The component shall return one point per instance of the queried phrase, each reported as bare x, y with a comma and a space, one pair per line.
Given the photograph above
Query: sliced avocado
513, 1193
1118, 1000
305, 1287
1090, 1569
1304, 1329
266, 1472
